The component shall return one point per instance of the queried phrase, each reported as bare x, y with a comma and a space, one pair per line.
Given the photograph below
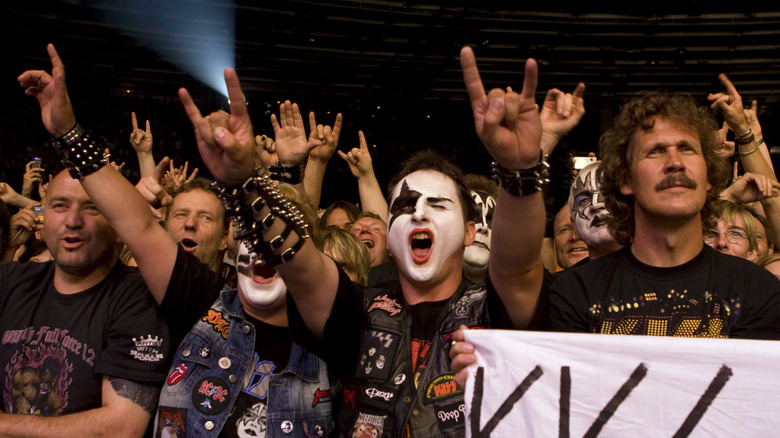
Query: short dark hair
615, 150
431, 160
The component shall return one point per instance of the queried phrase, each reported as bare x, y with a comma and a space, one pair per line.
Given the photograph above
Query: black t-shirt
192, 290
55, 348
425, 318
713, 295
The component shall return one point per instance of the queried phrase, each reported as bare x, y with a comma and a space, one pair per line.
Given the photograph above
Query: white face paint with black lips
588, 211
258, 287
477, 254
426, 230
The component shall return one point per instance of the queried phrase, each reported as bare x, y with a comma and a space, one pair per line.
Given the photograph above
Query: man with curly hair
658, 172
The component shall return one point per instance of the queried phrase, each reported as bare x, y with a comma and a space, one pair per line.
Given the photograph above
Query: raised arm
131, 218
328, 139
560, 113
226, 144
362, 167
730, 103
509, 126
142, 141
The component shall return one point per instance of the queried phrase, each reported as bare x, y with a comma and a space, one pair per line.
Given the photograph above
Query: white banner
538, 384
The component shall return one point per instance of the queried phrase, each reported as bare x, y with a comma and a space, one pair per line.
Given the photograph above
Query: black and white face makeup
258, 287
426, 228
588, 211
477, 254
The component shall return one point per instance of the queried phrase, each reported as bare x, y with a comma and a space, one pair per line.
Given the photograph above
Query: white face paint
476, 255
258, 288
426, 230
588, 211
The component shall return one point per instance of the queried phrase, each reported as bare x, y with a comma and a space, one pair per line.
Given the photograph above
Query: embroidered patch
321, 396
451, 416
373, 393
147, 349
368, 426
171, 422
441, 388
376, 359
211, 396
217, 322
463, 306
387, 304
178, 373
399, 379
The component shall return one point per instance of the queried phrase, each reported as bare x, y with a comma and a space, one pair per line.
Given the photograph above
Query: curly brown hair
615, 150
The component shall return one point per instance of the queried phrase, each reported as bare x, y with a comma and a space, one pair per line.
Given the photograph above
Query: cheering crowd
178, 306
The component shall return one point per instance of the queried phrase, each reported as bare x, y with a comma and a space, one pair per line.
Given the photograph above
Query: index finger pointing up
468, 64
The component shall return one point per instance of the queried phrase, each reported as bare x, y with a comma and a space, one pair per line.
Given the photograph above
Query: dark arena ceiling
392, 66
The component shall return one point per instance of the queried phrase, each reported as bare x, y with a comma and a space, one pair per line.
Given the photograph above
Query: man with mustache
659, 168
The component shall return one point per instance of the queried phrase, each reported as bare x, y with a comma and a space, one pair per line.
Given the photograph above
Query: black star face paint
404, 203
427, 230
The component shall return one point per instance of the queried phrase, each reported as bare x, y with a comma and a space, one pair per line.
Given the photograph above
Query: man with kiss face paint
236, 359
391, 344
659, 167
589, 213
476, 256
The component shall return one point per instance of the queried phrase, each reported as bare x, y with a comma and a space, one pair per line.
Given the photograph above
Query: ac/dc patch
389, 305
178, 373
378, 352
442, 387
368, 426
217, 322
211, 396
171, 422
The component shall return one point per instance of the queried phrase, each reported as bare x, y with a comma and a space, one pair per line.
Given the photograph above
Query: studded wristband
522, 182
79, 153
280, 173
244, 205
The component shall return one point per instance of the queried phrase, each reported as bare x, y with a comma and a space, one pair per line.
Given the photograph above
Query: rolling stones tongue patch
210, 396
177, 374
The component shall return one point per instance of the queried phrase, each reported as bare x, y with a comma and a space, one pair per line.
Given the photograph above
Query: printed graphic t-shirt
56, 348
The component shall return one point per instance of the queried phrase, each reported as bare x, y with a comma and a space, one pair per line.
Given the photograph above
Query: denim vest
381, 398
208, 371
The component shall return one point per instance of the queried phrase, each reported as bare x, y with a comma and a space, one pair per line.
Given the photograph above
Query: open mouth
71, 242
368, 243
421, 242
263, 274
188, 243
578, 249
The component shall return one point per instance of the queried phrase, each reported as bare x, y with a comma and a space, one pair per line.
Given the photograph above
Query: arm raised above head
509, 126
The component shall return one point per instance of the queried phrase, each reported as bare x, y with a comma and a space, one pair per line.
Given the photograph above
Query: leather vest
381, 398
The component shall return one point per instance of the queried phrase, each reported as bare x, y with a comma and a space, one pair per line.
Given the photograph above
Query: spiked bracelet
245, 203
522, 182
79, 154
280, 172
